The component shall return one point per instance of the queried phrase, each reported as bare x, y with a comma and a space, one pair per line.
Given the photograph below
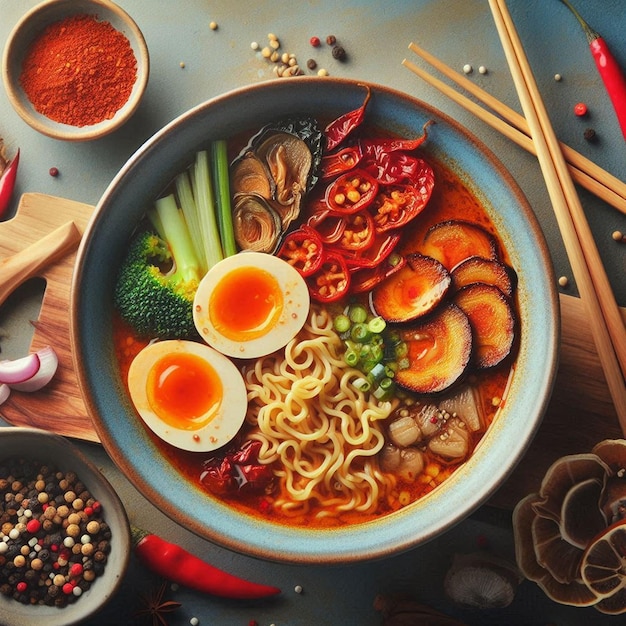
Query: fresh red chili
358, 232
332, 280
383, 245
7, 182
608, 68
175, 564
302, 249
328, 225
339, 129
351, 192
397, 205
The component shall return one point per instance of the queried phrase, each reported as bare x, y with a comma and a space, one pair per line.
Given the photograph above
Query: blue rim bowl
137, 185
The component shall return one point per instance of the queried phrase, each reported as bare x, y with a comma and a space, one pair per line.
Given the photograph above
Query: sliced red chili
351, 192
340, 128
374, 147
383, 245
302, 249
366, 279
397, 205
358, 232
334, 164
332, 280
328, 225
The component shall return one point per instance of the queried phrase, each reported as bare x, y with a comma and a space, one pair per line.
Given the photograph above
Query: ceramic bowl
27, 30
46, 448
124, 436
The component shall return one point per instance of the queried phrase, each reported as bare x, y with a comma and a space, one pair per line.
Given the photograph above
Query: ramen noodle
311, 419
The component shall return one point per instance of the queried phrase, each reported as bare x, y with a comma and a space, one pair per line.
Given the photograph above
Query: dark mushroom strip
257, 226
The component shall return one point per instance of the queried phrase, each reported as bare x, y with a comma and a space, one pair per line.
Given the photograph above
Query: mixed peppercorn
54, 541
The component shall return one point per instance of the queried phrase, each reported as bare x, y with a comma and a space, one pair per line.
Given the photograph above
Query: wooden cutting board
579, 415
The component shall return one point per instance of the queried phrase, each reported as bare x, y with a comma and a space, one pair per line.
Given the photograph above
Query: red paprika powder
79, 71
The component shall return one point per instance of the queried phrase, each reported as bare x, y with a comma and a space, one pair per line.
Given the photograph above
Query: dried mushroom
579, 498
481, 581
270, 178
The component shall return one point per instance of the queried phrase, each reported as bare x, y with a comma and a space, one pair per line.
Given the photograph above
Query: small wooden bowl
30, 27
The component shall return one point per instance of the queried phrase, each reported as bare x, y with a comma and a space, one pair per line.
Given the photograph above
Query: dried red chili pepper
175, 564
351, 192
7, 182
338, 130
608, 68
346, 159
366, 279
332, 280
303, 249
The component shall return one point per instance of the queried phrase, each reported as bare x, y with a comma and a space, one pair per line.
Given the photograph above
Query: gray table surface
376, 36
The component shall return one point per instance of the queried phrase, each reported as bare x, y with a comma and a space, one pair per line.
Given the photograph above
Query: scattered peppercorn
331, 40
311, 64
563, 282
618, 236
558, 78
339, 53
590, 134
482, 69
53, 171
467, 69
315, 42
580, 109
213, 25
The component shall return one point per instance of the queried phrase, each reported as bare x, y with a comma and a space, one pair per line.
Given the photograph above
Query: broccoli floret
159, 277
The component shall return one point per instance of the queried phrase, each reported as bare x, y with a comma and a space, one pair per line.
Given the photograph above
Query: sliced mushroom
251, 176
581, 517
256, 225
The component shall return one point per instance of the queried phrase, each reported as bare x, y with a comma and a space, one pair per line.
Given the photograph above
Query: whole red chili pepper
608, 67
175, 564
7, 182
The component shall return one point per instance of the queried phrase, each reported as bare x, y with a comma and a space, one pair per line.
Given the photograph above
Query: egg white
296, 303
229, 416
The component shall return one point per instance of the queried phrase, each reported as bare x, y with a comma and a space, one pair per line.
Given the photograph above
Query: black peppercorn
339, 53
590, 134
311, 64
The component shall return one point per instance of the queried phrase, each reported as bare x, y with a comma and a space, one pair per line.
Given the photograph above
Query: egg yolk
246, 304
184, 390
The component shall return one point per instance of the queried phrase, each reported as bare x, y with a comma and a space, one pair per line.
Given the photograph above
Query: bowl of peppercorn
75, 70
64, 533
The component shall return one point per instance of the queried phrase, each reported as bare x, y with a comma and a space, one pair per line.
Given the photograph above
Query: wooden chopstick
585, 172
607, 325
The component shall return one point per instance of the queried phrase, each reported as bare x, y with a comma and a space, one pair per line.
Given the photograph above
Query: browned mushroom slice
255, 223
414, 291
250, 175
493, 322
454, 241
439, 351
479, 270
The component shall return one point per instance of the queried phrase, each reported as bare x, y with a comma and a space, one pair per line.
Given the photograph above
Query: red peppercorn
580, 109
315, 42
33, 526
68, 588
54, 171
331, 40
76, 569
21, 586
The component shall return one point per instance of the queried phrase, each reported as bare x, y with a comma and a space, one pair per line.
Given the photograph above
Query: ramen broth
451, 199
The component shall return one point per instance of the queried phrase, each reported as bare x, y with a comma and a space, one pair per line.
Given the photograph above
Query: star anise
156, 606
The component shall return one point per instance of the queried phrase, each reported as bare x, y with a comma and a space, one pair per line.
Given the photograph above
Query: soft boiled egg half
250, 304
188, 394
